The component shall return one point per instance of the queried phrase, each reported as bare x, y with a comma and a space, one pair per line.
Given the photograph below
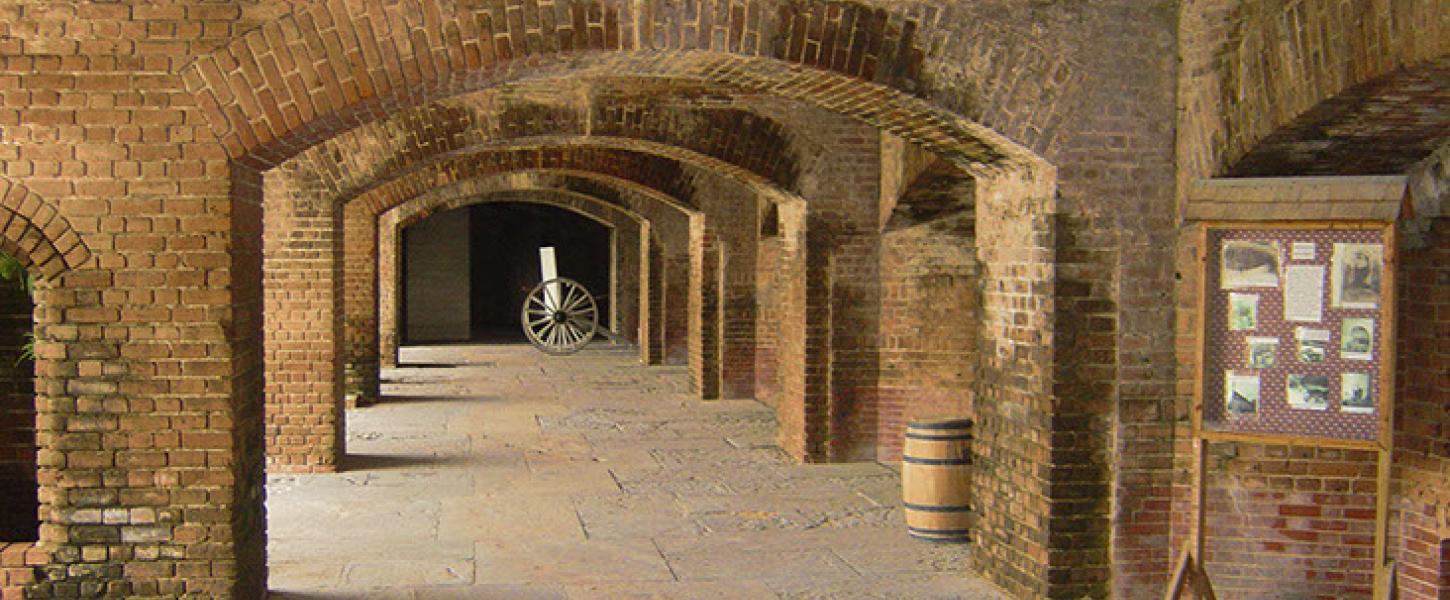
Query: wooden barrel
935, 484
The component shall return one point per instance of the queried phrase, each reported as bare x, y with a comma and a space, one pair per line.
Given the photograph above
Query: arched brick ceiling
741, 141
465, 194
670, 171
484, 174
326, 68
1382, 127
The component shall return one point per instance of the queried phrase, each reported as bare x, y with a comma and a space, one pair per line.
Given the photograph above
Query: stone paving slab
570, 562
526, 476
691, 590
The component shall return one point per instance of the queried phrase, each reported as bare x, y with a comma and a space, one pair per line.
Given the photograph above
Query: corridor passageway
502, 472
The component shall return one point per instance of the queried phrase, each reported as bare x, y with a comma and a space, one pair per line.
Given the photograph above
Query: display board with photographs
1294, 331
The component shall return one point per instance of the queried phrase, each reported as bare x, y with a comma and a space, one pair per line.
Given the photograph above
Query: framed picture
1250, 264
1263, 352
1241, 394
1355, 274
1356, 393
1307, 392
1356, 339
1243, 312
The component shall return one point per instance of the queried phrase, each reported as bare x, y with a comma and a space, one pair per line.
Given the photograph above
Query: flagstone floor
501, 472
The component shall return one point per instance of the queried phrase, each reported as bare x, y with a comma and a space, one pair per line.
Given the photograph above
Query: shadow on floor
387, 462
410, 398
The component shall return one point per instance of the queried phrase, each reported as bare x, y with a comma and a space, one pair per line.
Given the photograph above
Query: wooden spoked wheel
560, 316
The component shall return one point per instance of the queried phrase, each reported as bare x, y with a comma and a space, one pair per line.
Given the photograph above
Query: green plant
11, 270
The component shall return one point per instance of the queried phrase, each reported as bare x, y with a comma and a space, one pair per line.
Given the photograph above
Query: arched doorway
466, 271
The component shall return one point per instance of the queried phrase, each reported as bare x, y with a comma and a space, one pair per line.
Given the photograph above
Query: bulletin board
1296, 347
1297, 333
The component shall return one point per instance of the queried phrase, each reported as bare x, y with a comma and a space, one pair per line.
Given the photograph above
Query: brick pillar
710, 289
302, 280
1420, 544
815, 314
1014, 449
248, 408
630, 251
389, 284
789, 302
653, 291
360, 305
692, 277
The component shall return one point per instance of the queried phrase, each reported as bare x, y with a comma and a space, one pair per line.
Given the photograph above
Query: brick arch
738, 140
1242, 83
668, 177
35, 234
319, 70
588, 207
1384, 126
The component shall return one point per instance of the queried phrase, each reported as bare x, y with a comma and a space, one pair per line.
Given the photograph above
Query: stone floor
519, 475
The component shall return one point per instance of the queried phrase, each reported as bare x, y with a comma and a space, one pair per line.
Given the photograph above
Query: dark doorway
466, 272
19, 493
506, 238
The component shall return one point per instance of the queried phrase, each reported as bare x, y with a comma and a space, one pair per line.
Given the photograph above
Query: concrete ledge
1371, 198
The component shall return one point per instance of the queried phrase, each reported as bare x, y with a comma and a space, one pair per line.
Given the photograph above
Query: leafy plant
11, 270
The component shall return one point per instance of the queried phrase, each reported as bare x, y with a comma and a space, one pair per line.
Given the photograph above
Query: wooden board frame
1190, 565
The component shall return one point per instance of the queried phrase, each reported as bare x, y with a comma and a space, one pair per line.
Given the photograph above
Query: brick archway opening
499, 248
19, 470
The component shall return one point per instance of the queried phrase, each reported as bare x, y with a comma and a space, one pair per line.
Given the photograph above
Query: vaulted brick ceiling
726, 138
1382, 127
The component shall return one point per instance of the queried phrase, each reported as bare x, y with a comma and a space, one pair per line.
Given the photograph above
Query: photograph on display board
1308, 392
1313, 344
1356, 271
1263, 352
1356, 339
1354, 393
1241, 394
1243, 312
1248, 264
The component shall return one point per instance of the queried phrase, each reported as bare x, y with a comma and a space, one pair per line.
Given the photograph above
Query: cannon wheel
561, 325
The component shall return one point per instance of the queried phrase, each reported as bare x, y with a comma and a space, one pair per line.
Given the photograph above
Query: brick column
360, 305
302, 283
1015, 422
389, 282
706, 292
788, 306
653, 293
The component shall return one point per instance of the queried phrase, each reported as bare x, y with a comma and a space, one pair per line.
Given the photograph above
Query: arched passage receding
606, 277
243, 100
666, 222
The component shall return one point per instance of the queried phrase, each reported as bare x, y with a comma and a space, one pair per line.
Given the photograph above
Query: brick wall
1422, 433
930, 284
1278, 514
436, 293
